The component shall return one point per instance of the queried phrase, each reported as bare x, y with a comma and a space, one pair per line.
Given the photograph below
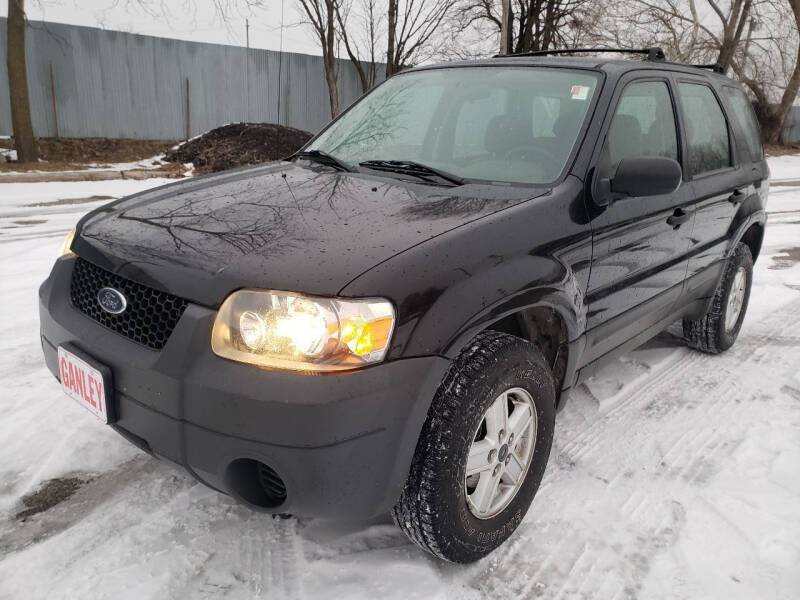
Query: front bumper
342, 443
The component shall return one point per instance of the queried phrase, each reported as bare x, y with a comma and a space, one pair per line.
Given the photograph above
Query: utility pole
247, 65
505, 28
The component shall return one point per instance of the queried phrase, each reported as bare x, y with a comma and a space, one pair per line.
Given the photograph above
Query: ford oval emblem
112, 301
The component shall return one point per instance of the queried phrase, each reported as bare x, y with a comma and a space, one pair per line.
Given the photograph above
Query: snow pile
673, 474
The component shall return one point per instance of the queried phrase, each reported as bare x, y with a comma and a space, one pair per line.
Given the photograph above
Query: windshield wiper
325, 159
415, 169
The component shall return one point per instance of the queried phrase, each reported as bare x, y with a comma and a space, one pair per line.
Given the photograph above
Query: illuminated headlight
291, 331
67, 245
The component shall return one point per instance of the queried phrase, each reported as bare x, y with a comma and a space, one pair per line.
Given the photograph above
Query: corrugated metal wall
791, 133
114, 84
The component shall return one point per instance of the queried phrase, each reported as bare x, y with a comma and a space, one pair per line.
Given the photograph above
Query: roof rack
653, 53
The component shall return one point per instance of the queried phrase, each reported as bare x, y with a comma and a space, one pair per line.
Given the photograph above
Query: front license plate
87, 384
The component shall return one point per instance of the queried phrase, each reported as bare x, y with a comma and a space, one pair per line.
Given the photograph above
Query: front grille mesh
150, 316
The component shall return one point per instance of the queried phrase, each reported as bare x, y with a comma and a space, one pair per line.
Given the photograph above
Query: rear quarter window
745, 120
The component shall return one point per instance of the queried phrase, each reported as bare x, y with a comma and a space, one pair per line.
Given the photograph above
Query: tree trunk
329, 57
732, 34
24, 142
792, 88
391, 33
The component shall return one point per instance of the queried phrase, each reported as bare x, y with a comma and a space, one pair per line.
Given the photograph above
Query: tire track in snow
272, 555
586, 441
708, 401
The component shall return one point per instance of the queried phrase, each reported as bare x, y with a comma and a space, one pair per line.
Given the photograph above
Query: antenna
280, 83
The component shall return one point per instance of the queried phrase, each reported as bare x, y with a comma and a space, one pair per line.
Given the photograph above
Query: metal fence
88, 82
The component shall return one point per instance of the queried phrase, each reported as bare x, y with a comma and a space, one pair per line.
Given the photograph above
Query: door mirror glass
646, 176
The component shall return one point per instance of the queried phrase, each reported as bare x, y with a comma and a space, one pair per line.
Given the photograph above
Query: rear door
639, 259
719, 185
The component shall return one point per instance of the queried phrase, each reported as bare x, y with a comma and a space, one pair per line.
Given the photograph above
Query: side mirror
646, 176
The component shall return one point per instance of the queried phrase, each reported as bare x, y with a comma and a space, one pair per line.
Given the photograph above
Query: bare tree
792, 85
684, 30
360, 26
756, 39
24, 142
411, 30
535, 24
321, 15
543, 23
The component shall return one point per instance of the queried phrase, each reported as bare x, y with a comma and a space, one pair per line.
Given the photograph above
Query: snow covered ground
673, 474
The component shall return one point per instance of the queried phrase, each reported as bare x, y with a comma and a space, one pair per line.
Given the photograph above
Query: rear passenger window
746, 120
706, 129
644, 123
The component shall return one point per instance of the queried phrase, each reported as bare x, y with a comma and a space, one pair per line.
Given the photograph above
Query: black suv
389, 319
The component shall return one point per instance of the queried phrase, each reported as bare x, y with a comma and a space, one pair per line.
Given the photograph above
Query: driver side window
644, 124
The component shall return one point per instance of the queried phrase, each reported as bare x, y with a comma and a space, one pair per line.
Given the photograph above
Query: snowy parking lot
673, 474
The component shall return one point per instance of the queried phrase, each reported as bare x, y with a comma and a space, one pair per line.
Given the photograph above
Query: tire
714, 332
434, 509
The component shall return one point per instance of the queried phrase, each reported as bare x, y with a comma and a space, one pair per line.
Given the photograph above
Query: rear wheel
718, 329
482, 451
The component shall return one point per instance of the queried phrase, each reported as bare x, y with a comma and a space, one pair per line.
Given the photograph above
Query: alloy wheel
500, 453
736, 299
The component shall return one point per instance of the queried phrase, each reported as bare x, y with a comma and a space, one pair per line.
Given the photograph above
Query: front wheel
717, 330
482, 451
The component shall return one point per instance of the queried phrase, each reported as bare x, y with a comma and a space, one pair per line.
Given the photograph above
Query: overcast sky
195, 20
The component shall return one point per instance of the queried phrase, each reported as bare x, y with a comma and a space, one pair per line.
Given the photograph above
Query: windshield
507, 124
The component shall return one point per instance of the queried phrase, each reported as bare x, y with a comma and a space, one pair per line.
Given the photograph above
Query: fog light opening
256, 483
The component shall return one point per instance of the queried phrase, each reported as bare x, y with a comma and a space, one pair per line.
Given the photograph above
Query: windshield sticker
580, 92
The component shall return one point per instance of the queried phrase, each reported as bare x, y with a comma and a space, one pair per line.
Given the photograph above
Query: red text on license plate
83, 383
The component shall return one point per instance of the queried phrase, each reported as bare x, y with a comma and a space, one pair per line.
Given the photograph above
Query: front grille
150, 316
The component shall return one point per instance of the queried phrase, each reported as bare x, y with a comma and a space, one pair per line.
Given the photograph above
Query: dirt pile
95, 150
237, 145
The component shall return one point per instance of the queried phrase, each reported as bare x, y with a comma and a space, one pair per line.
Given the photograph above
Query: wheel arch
753, 237
547, 328
546, 317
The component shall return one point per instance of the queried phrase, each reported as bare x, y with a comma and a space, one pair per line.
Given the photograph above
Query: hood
283, 226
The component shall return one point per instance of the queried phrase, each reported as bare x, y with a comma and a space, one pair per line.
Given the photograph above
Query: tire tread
704, 334
416, 510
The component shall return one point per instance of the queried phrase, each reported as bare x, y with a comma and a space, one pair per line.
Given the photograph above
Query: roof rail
716, 67
653, 53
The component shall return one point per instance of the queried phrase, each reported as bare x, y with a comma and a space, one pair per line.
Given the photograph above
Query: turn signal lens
292, 331
67, 245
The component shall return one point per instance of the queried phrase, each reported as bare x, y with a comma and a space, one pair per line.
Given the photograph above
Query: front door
640, 244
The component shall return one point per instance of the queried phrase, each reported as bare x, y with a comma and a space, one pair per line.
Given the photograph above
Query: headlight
291, 331
66, 246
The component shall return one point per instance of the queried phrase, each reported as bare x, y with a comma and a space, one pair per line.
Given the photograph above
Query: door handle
678, 218
737, 196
